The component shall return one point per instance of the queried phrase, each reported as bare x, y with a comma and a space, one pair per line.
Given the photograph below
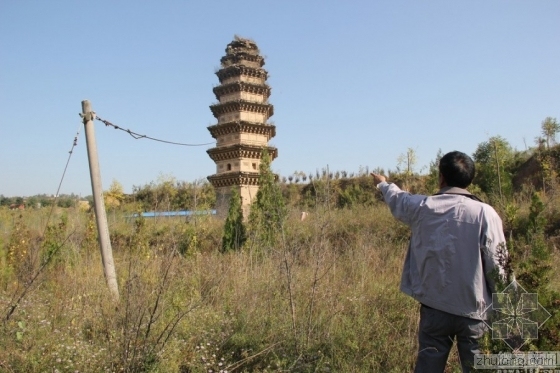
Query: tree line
501, 170
39, 200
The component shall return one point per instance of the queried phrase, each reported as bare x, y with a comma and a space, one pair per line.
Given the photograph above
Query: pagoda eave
239, 151
269, 130
229, 179
261, 89
242, 105
239, 57
238, 70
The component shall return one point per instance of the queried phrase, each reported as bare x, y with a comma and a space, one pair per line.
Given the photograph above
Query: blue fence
168, 214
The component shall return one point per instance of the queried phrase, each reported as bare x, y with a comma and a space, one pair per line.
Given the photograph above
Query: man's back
452, 261
452, 250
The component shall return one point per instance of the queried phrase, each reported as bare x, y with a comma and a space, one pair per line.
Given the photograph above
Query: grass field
325, 298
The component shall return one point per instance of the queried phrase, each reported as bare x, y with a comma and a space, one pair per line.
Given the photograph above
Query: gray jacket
453, 257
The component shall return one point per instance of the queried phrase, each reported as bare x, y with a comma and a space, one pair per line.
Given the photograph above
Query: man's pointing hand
377, 178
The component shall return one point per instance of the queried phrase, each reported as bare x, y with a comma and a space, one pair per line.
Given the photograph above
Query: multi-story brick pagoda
242, 131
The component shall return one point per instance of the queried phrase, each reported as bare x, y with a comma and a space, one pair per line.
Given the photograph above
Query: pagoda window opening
229, 166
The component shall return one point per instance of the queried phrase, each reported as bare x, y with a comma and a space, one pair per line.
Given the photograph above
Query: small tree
407, 161
550, 127
114, 196
494, 160
234, 230
268, 211
405, 166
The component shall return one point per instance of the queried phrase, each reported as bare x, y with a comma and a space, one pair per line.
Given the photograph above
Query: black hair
457, 169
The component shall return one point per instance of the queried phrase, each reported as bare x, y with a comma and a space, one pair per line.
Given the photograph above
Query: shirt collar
459, 191
453, 190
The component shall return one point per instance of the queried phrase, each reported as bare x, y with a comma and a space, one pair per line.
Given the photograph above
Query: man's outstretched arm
400, 202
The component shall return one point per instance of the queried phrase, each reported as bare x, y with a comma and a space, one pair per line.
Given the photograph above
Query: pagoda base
223, 197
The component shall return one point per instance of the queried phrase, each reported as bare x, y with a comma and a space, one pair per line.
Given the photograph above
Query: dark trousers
436, 333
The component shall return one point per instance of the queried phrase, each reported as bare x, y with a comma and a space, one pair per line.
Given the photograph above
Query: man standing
452, 261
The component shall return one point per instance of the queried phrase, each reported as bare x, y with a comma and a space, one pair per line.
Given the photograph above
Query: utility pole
99, 205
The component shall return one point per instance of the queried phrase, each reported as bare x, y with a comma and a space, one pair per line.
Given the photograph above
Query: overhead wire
74, 144
138, 136
135, 135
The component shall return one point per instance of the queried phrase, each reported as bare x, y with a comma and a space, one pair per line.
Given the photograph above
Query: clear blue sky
354, 83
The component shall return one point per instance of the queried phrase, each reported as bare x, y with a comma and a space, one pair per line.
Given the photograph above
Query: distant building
242, 131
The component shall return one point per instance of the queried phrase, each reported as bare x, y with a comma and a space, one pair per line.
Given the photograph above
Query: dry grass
326, 299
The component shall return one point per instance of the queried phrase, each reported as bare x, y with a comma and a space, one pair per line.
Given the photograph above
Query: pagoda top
241, 49
240, 44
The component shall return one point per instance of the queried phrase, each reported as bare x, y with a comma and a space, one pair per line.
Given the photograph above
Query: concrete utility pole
99, 205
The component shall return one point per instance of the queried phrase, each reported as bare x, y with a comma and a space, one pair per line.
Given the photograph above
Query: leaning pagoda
242, 131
